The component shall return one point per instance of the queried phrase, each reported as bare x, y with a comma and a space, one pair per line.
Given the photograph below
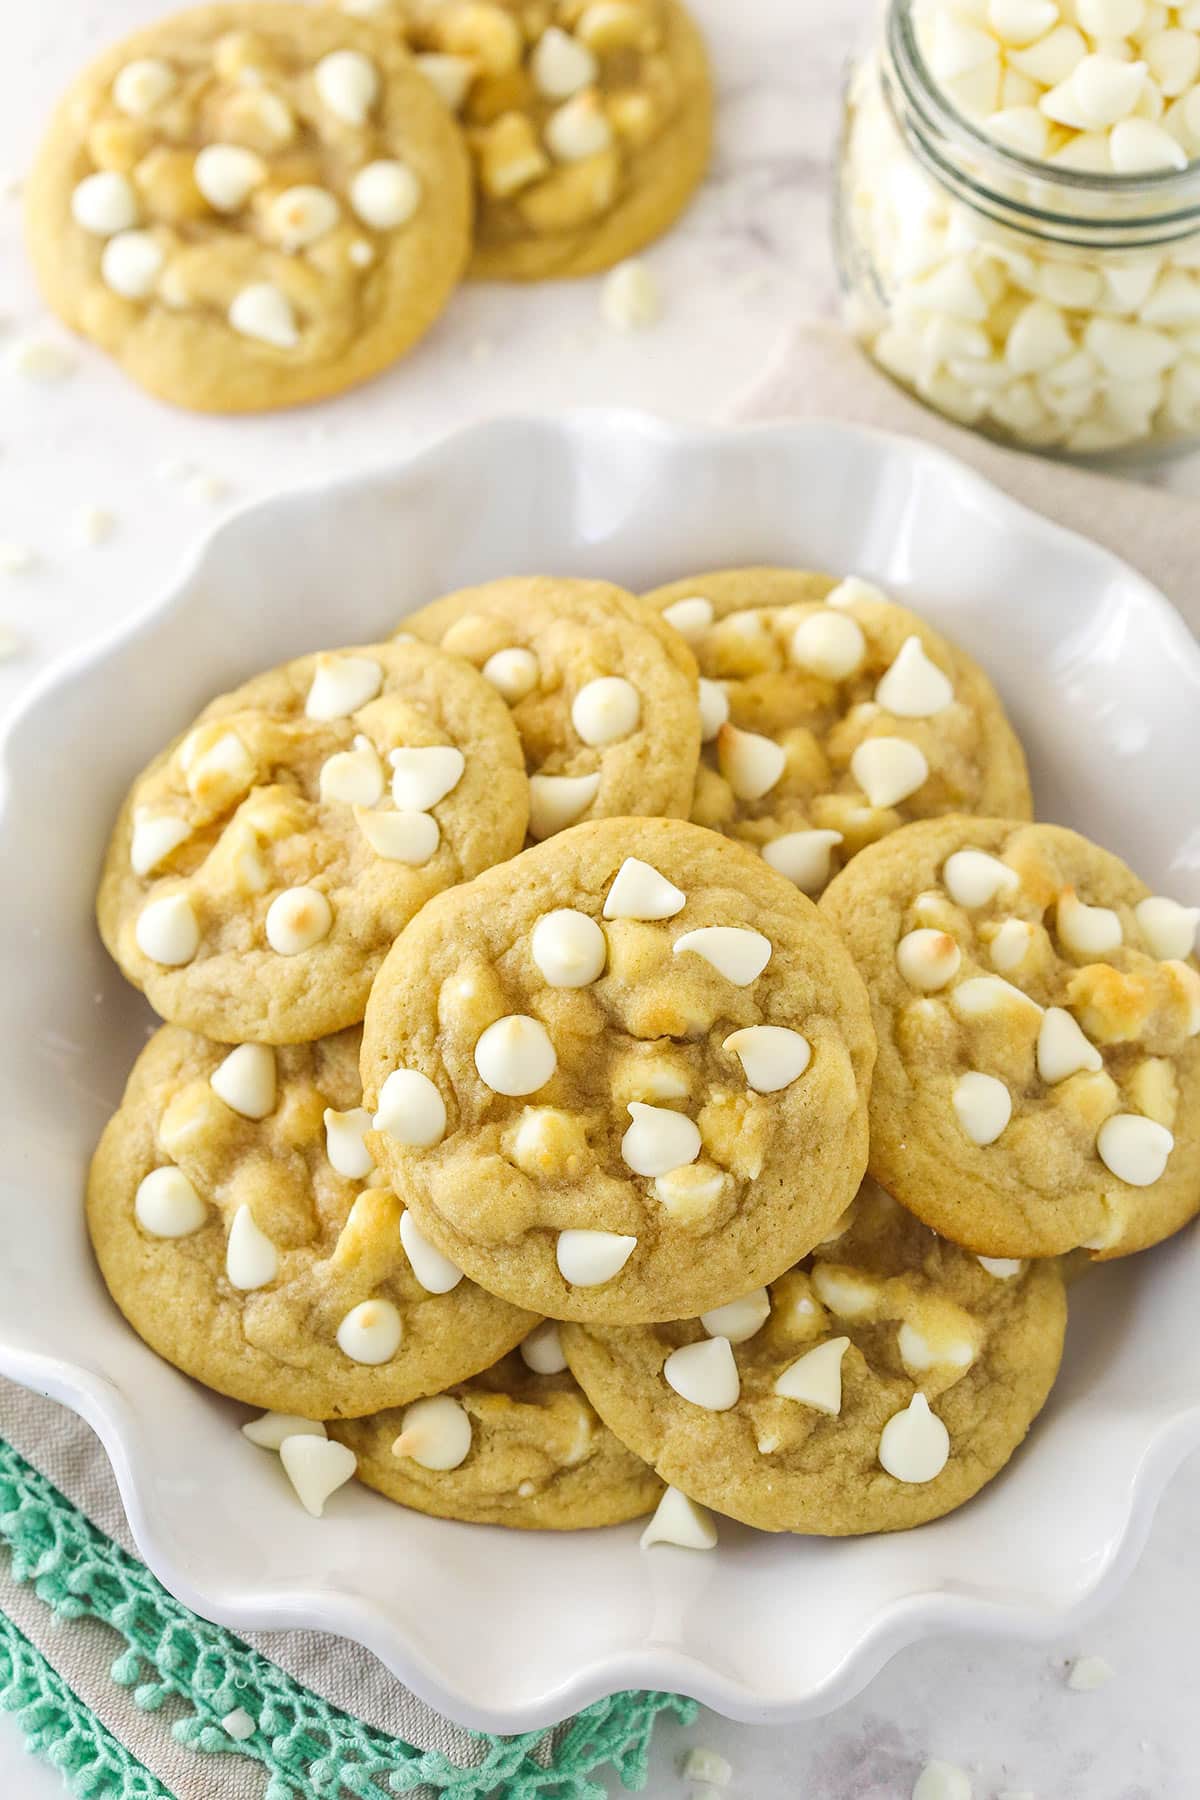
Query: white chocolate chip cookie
239, 1223
832, 716
602, 694
1038, 1016
513, 1446
878, 1384
250, 206
623, 1076
263, 864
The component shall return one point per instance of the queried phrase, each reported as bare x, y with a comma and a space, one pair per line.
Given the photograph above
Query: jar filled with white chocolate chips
1018, 221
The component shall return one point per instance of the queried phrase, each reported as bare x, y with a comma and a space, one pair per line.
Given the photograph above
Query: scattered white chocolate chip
421, 777
251, 1259
640, 892
297, 919
750, 763
371, 1332
405, 837
678, 1520
914, 687
734, 951
561, 65
316, 1468
815, 1378
450, 75
513, 673
556, 801
227, 175
888, 769
341, 685
772, 1056
690, 617
1087, 1673
40, 359
269, 1431
590, 1258
943, 1780
928, 959
238, 1722
1086, 930
515, 1055
131, 263
344, 1145
347, 82
435, 1272
803, 856
105, 203
264, 312
353, 777
1002, 1268
167, 1205
1010, 946
606, 710
1062, 1048
246, 1080
831, 645
153, 838
705, 1374
411, 1110
542, 1350
983, 1105
914, 1445
1135, 1149
301, 215
629, 297
142, 85
385, 194
1168, 928
569, 948
984, 995
973, 878
167, 931
714, 709
659, 1140
739, 1320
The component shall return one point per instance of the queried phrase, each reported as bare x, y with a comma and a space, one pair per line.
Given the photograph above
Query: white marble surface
751, 255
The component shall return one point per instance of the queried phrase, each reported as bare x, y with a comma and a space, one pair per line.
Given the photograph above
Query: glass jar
1054, 308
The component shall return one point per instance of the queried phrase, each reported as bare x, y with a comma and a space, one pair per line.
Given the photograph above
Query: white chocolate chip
888, 769
264, 312
914, 1445
105, 203
556, 801
606, 710
298, 919
803, 856
985, 995
353, 777
640, 892
167, 1205
983, 1105
40, 359
750, 763
1002, 1268
1087, 1673
848, 1295
734, 951
227, 175
246, 1081
561, 65
690, 1192
590, 1258
316, 1467
406, 837
678, 1520
853, 590
629, 297
1062, 1048
435, 1433
238, 1723
928, 959
1139, 146
739, 1320
348, 84
815, 1379
705, 1374
1133, 1148
973, 878
829, 644
714, 709
167, 931
1086, 930
690, 617
371, 1332
919, 1356
411, 1110
659, 1140
385, 194
344, 1145
450, 75
1099, 91
542, 1350
154, 837
578, 129
142, 85
435, 1272
1010, 946
569, 948
131, 263
943, 1780
422, 777
251, 1259
341, 685
513, 673
269, 1431
223, 771
299, 216
1168, 928
772, 1056
515, 1055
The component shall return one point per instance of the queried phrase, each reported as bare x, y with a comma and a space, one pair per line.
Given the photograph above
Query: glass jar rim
984, 173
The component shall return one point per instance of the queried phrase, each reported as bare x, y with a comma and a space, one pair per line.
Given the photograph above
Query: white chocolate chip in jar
815, 1379
411, 1110
606, 710
515, 1055
168, 931
435, 1433
928, 960
371, 1332
167, 1205
422, 777
678, 1520
435, 1272
739, 1320
831, 645
733, 951
556, 801
638, 891
659, 1140
974, 879
297, 920
385, 194
341, 685
751, 763
247, 1080
705, 1374
347, 82
344, 1142
1134, 1149
251, 1259
889, 769
590, 1258
914, 1445
805, 857
569, 948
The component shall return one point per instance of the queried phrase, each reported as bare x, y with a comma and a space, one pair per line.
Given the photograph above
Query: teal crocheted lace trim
311, 1749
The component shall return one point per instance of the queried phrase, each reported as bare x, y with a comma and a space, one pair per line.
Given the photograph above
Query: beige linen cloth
815, 372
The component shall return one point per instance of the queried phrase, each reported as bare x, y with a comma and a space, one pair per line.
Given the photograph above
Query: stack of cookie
522, 1181
255, 203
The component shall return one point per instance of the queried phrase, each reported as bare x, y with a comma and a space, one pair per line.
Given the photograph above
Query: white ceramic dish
1103, 681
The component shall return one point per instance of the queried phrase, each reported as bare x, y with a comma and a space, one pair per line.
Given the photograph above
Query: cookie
879, 1384
518, 1445
623, 1076
259, 870
602, 694
589, 121
250, 206
832, 716
234, 1212
1037, 1009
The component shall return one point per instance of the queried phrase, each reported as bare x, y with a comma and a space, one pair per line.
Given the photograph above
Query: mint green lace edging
311, 1749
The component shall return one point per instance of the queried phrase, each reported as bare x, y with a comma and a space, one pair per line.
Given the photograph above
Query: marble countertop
751, 256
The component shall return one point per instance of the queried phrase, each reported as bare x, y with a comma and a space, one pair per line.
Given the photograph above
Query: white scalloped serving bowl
1103, 682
